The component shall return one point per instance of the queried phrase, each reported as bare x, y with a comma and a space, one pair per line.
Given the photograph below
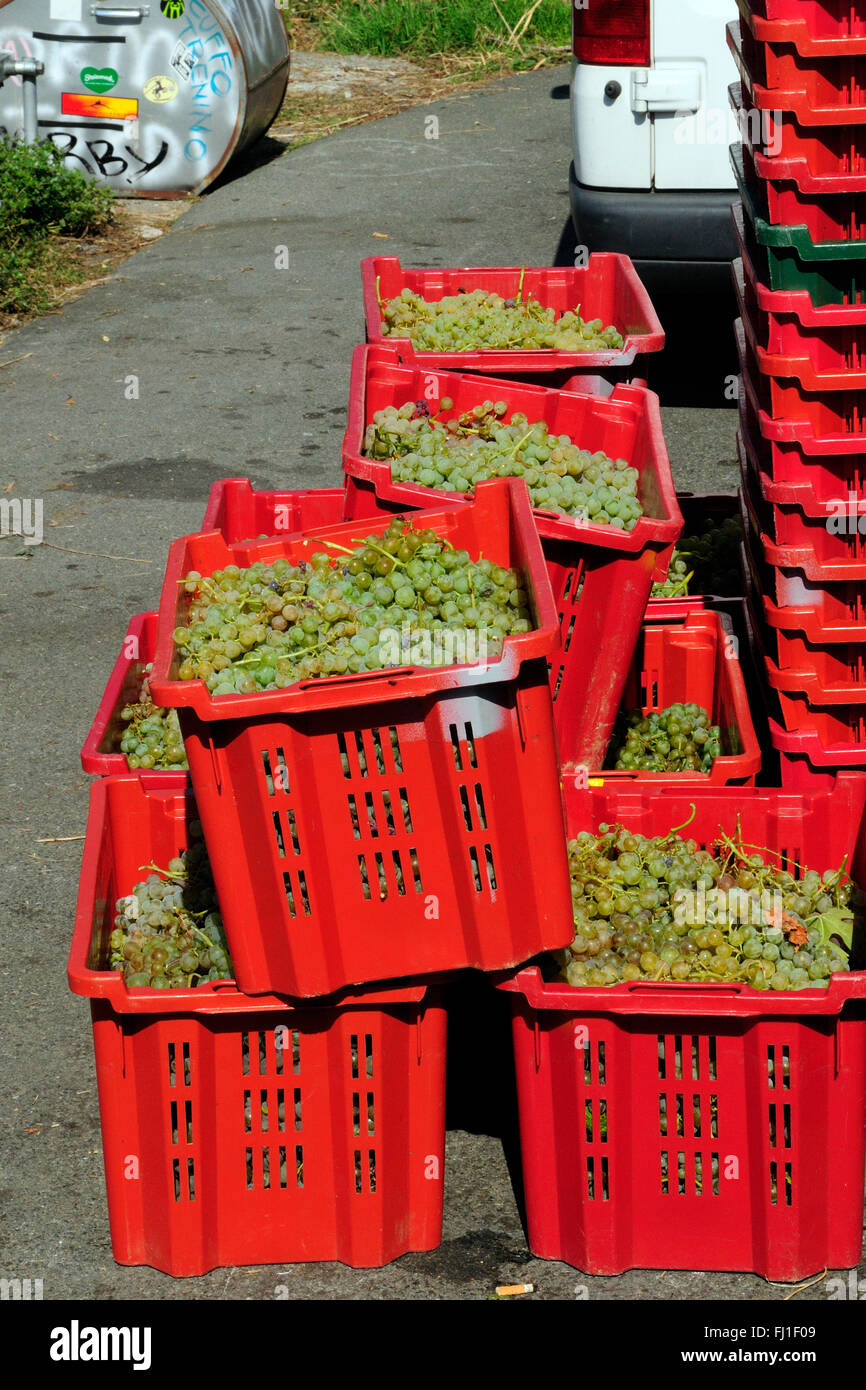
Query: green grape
152, 738
158, 942
482, 319
619, 939
477, 445
677, 739
348, 611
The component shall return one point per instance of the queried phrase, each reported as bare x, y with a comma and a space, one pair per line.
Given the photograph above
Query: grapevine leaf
838, 922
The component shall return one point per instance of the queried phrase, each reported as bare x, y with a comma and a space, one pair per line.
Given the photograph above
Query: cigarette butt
506, 1290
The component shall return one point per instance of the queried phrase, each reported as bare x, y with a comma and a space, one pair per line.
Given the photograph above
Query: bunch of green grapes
677, 739
481, 319
455, 455
706, 563
266, 626
168, 933
661, 908
152, 738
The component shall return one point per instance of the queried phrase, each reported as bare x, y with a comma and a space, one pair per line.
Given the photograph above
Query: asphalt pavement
200, 359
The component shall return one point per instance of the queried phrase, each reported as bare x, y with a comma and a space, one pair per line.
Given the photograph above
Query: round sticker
160, 89
172, 9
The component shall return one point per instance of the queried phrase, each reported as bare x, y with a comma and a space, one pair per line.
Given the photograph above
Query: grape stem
175, 878
333, 545
677, 828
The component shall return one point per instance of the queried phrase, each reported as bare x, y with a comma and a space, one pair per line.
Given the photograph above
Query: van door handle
665, 89
114, 14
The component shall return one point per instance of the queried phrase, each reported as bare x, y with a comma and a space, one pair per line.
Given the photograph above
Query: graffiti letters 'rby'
103, 159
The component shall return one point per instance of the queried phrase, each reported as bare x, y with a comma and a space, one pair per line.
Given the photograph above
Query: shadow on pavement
699, 357
481, 1094
261, 152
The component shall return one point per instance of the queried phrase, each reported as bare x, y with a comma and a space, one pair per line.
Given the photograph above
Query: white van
652, 127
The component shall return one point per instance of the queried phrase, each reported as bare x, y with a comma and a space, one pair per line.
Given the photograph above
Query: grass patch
42, 205
453, 45
417, 28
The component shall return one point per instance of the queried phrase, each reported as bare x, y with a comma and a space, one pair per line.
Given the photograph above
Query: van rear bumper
688, 225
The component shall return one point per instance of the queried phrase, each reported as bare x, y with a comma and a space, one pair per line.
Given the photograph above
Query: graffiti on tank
210, 76
181, 65
19, 48
98, 157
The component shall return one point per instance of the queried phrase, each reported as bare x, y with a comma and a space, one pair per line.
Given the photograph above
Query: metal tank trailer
150, 99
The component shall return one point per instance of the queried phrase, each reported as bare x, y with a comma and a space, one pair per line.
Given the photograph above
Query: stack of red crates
368, 835
801, 284
371, 833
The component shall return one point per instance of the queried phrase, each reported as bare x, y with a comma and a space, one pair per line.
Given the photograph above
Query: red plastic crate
101, 752
831, 716
377, 825
828, 360
601, 576
836, 715
692, 657
787, 322
192, 1081
240, 513
832, 535
771, 1086
805, 764
826, 216
627, 424
824, 364
823, 611
816, 28
608, 288
794, 451
819, 159
796, 639
830, 413
824, 694
818, 91
806, 558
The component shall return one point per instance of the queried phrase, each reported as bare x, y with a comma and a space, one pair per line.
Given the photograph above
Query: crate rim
550, 524
534, 359
396, 684
650, 999
217, 997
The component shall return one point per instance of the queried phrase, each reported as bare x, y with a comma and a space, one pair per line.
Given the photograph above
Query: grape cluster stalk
457, 453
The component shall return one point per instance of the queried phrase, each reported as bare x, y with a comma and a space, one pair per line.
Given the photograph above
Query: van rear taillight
611, 31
